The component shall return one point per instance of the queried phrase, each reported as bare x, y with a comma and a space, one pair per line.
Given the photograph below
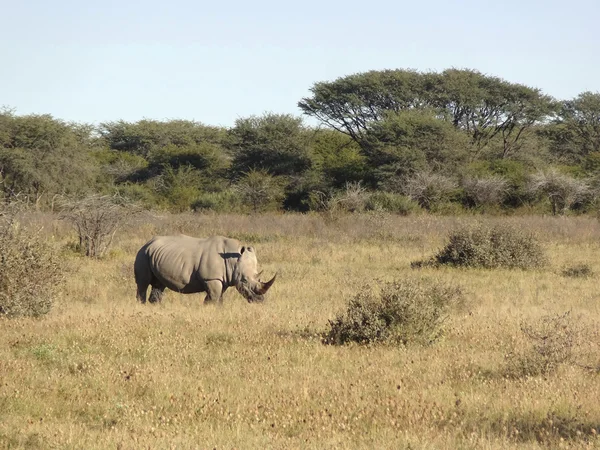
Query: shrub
352, 199
222, 202
30, 272
485, 192
552, 340
490, 247
96, 219
563, 191
403, 312
260, 190
578, 271
427, 189
391, 202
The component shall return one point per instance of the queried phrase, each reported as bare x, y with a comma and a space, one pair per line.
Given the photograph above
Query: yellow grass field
102, 371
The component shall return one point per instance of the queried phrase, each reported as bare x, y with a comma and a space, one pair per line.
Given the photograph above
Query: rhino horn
264, 287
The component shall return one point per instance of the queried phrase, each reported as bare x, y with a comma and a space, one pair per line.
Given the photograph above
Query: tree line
395, 140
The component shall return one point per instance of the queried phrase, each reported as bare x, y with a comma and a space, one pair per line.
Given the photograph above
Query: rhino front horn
264, 287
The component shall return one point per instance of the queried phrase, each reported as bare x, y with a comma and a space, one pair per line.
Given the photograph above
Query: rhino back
185, 263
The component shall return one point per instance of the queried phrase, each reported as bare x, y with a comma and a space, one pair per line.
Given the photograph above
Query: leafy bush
222, 202
403, 312
552, 341
498, 246
391, 202
260, 191
30, 272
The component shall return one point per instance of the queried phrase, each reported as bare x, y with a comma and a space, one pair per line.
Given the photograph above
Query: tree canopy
403, 137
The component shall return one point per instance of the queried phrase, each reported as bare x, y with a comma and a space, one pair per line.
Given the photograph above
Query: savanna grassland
102, 371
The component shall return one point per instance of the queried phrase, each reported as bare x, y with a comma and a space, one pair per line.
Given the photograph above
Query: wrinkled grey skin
188, 265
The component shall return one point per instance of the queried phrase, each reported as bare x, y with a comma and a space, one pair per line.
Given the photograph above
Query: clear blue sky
217, 61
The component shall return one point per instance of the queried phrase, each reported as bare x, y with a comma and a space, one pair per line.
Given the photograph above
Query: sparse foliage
562, 190
352, 199
485, 191
427, 188
552, 339
96, 219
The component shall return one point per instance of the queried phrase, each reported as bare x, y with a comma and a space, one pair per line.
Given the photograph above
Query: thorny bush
498, 246
402, 312
30, 271
552, 339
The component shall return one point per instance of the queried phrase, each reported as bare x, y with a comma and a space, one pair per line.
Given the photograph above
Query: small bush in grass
490, 247
552, 339
402, 312
578, 271
29, 272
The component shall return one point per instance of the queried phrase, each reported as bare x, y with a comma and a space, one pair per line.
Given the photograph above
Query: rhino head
246, 278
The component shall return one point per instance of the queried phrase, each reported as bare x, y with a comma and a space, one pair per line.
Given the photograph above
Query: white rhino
188, 265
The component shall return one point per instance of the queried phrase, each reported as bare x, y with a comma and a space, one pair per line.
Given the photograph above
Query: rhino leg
141, 292
214, 292
142, 280
157, 292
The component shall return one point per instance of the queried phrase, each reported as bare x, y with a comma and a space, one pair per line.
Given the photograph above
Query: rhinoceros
188, 265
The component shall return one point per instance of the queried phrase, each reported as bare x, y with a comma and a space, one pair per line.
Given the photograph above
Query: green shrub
403, 312
221, 202
391, 202
29, 272
498, 246
260, 191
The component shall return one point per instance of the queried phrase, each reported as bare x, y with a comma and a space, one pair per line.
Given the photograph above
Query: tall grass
102, 371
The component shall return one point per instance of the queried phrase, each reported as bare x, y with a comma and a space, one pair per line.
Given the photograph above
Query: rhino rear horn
264, 287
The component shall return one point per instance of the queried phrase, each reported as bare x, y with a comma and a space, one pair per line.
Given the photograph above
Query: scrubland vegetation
511, 360
436, 237
393, 140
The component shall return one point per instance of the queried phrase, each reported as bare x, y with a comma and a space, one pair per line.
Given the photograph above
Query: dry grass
101, 371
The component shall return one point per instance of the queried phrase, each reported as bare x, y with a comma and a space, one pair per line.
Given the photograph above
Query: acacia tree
351, 103
575, 134
485, 107
488, 107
